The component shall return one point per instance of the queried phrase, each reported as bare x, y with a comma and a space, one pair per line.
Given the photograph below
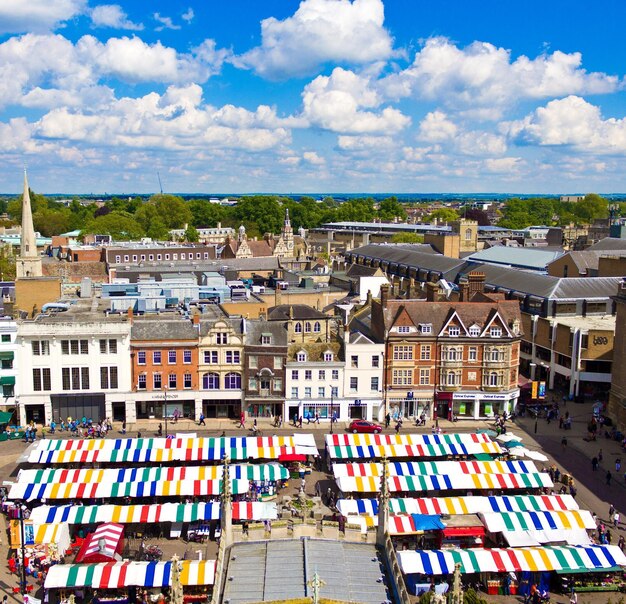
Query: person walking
600, 456
201, 421
398, 426
242, 419
387, 420
608, 478
621, 542
564, 443
594, 464
611, 510
616, 520
618, 465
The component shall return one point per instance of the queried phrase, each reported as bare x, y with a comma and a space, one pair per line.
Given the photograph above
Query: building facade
617, 396
8, 363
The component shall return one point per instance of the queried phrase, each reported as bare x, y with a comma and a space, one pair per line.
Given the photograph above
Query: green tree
391, 208
7, 263
173, 211
207, 214
443, 215
14, 207
52, 222
191, 234
120, 225
357, 210
260, 214
407, 238
520, 213
591, 208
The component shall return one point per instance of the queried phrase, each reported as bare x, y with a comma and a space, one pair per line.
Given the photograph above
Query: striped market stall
163, 450
460, 505
255, 510
539, 559
377, 446
117, 575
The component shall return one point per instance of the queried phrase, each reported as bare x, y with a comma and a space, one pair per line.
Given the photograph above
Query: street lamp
22, 508
332, 400
165, 408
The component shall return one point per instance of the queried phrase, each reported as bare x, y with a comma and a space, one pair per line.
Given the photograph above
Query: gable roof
609, 243
301, 312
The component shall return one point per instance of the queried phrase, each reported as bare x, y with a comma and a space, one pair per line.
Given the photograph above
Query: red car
361, 425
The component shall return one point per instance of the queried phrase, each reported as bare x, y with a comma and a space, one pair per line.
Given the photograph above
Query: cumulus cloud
112, 15
313, 158
573, 122
436, 127
336, 103
320, 31
188, 15
44, 70
18, 16
483, 75
165, 22
175, 120
364, 143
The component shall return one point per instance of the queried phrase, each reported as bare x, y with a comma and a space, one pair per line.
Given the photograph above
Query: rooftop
281, 570
590, 322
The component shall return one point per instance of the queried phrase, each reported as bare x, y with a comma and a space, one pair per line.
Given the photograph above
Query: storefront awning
127, 514
441, 562
7, 355
464, 531
160, 450
255, 510
7, 380
538, 521
6, 417
114, 575
534, 537
459, 505
376, 446
57, 534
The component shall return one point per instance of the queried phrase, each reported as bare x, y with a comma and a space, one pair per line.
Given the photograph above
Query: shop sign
495, 397
464, 396
165, 397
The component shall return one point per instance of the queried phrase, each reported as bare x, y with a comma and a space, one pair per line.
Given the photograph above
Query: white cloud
313, 158
502, 165
18, 16
112, 15
334, 103
436, 127
483, 75
365, 143
320, 31
166, 22
480, 143
188, 16
573, 122
176, 120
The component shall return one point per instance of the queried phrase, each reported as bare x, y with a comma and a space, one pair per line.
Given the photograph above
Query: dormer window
266, 339
328, 356
474, 331
454, 331
301, 357
404, 329
426, 328
495, 332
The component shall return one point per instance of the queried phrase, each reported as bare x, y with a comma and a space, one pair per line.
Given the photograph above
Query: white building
8, 362
73, 363
363, 378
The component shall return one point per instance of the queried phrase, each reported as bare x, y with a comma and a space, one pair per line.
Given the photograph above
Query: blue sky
313, 96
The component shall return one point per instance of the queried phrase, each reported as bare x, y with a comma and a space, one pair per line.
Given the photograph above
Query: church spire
29, 262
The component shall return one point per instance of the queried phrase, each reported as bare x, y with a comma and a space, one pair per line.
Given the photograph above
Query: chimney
290, 311
129, 312
464, 291
432, 291
384, 295
476, 283
195, 319
277, 297
368, 298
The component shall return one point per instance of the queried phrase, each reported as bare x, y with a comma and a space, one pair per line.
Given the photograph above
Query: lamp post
165, 408
332, 400
22, 508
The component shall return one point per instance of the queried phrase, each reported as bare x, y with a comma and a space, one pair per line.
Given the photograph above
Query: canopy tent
376, 446
163, 488
371, 484
158, 450
436, 468
57, 534
409, 524
256, 472
539, 559
508, 437
114, 575
524, 452
105, 544
538, 521
127, 514
460, 505
535, 538
255, 510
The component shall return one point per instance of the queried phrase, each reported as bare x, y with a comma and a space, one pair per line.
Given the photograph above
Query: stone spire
226, 516
287, 233
29, 261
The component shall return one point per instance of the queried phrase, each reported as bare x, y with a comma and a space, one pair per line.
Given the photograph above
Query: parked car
362, 425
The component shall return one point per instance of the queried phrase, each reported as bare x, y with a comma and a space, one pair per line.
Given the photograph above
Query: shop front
476, 405
159, 405
222, 408
443, 405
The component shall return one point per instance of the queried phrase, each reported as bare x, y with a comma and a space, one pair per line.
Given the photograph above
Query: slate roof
267, 571
255, 328
439, 313
301, 312
536, 259
162, 328
609, 244
590, 259
361, 270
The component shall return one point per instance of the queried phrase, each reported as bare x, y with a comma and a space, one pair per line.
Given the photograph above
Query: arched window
298, 328
468, 234
317, 327
493, 379
307, 327
211, 381
232, 381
